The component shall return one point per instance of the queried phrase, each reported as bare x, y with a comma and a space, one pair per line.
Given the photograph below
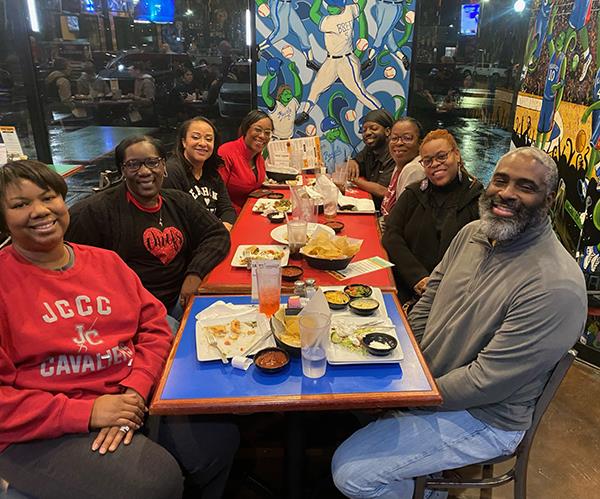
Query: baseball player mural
284, 106
285, 19
537, 37
357, 50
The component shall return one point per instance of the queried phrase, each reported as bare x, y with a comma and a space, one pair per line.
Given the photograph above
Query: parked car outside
482, 69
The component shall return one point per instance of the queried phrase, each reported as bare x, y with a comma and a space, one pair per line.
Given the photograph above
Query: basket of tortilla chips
326, 252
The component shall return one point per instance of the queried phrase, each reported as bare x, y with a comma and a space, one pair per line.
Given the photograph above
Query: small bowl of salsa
291, 273
271, 360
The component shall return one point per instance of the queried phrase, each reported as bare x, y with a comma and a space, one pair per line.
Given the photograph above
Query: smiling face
374, 134
258, 135
199, 143
36, 218
404, 142
516, 198
145, 183
444, 159
286, 96
333, 134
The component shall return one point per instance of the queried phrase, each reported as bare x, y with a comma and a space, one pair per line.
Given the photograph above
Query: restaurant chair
108, 178
518, 473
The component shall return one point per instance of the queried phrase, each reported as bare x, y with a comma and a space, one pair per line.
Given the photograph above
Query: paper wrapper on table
357, 205
241, 362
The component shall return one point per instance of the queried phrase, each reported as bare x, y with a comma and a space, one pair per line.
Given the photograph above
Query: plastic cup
314, 329
330, 202
268, 279
296, 236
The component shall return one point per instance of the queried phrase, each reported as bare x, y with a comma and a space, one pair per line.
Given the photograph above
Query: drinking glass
340, 176
268, 279
314, 329
297, 229
330, 202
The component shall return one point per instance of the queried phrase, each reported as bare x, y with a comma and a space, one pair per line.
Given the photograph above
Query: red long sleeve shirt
237, 173
67, 337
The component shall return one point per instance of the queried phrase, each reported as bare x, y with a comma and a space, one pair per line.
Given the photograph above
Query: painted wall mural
323, 64
558, 110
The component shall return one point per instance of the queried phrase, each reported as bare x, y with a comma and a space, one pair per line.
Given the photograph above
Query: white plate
206, 352
275, 185
337, 354
361, 205
380, 313
236, 261
280, 233
268, 204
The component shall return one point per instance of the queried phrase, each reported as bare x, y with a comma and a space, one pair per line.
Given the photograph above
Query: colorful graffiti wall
323, 64
558, 110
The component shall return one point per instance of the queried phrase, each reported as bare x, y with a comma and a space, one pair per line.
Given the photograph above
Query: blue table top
190, 386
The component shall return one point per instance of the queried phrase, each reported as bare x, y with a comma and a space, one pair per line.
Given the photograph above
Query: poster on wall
558, 110
323, 64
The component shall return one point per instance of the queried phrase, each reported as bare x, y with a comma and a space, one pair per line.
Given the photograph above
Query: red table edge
291, 402
240, 290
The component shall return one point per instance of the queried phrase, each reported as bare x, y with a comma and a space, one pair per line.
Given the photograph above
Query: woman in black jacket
193, 168
429, 214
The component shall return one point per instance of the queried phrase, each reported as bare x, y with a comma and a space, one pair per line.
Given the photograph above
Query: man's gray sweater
496, 319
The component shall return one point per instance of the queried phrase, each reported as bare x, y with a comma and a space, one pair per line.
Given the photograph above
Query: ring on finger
124, 428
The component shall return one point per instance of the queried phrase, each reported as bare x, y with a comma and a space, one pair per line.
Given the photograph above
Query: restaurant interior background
462, 72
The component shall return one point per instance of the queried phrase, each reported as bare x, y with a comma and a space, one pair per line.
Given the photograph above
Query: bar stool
518, 473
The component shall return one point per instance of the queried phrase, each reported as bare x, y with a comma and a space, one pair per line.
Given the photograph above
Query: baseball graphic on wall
311, 130
287, 51
350, 115
410, 17
389, 72
362, 44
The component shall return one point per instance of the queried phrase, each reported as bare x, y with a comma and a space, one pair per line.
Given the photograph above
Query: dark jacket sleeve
209, 239
225, 210
361, 159
408, 266
176, 176
90, 222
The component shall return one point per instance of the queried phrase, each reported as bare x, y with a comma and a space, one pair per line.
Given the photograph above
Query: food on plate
271, 359
364, 306
281, 205
258, 253
336, 299
270, 181
323, 245
350, 336
233, 337
291, 335
358, 290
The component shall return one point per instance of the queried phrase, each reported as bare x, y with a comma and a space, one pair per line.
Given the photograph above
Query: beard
504, 229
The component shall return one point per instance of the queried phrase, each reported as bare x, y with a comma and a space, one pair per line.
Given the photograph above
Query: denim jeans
381, 459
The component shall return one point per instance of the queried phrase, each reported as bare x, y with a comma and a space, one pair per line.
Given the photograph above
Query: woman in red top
82, 346
244, 167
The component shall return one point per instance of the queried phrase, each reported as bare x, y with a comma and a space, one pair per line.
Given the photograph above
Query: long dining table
254, 229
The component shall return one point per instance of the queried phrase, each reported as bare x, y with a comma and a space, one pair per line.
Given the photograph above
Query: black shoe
301, 118
310, 64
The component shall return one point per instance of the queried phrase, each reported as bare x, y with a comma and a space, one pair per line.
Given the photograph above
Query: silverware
257, 342
212, 341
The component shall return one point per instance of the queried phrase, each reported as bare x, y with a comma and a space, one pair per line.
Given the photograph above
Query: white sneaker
586, 66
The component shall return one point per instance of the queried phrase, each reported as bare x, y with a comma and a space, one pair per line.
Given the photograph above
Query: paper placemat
361, 267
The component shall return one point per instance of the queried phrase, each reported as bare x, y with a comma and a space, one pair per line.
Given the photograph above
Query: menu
11, 142
297, 154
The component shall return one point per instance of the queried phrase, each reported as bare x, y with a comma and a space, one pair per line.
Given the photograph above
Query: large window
467, 58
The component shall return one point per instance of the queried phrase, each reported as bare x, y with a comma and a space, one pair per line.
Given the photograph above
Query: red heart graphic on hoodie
163, 244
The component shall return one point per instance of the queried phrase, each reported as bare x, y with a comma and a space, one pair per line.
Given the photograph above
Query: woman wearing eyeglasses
243, 170
403, 144
166, 237
429, 214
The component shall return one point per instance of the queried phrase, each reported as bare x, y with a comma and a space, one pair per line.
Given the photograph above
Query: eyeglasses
133, 165
261, 131
439, 158
405, 139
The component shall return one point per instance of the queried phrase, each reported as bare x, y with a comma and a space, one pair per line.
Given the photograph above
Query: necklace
160, 222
